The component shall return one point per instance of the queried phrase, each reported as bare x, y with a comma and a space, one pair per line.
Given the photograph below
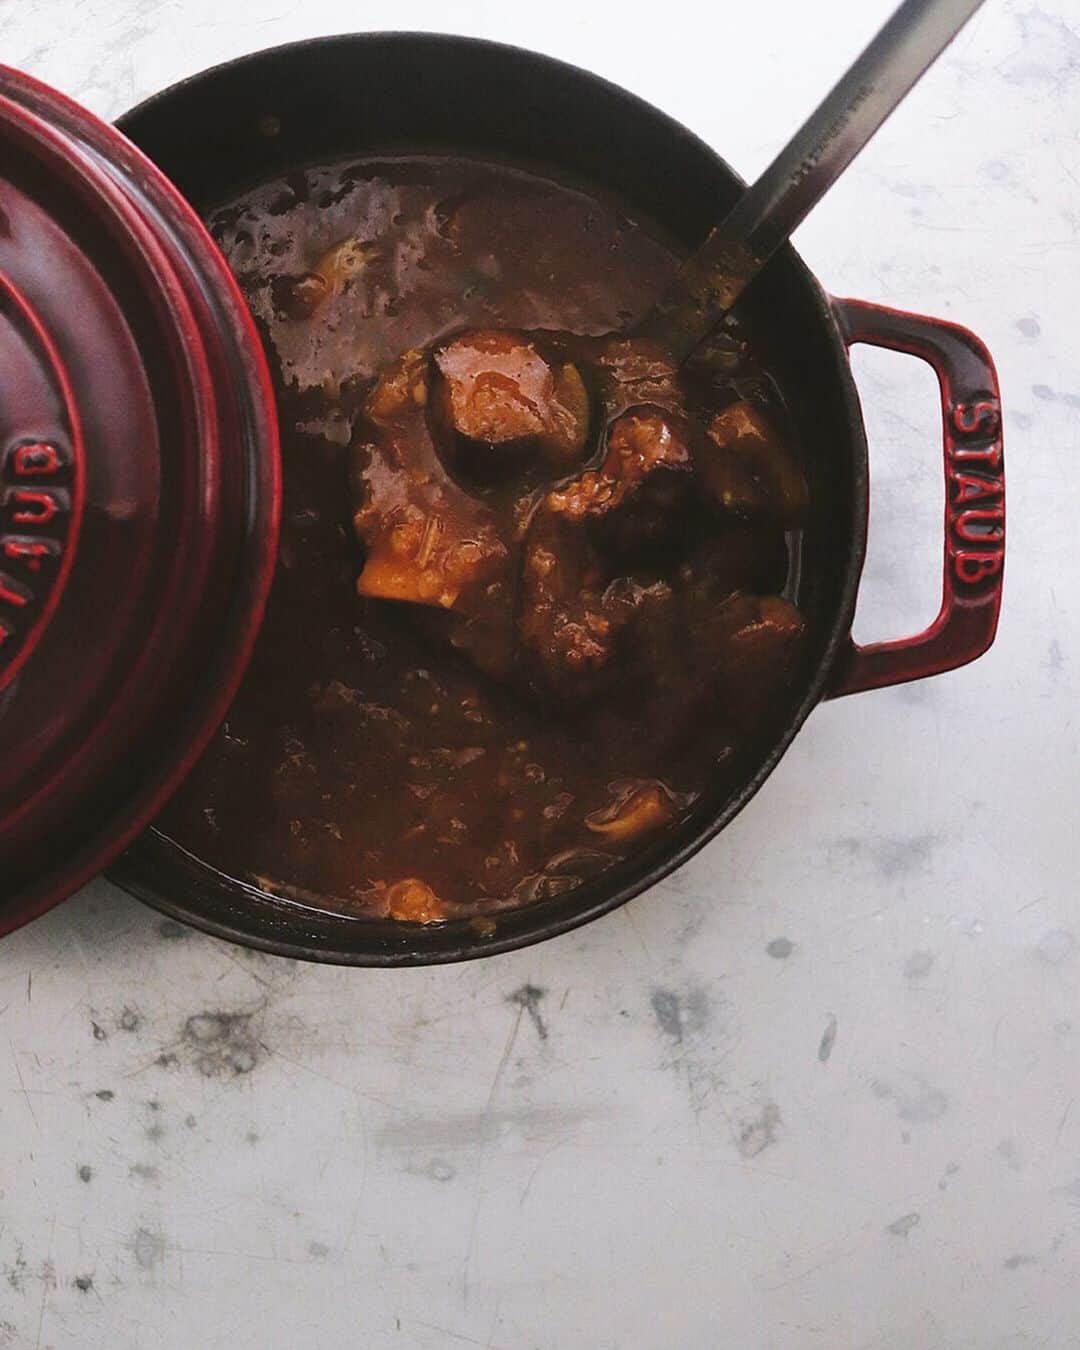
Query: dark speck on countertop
668, 1012
755, 1134
918, 965
1008, 1151
1050, 395
916, 1104
85, 1172
893, 856
902, 1226
1056, 946
528, 998
950, 1171
780, 948
828, 1040
148, 1247
221, 1043
678, 1015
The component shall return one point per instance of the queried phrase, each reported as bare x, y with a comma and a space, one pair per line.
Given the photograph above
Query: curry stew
533, 579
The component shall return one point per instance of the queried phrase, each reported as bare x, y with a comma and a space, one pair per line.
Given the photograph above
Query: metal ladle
715, 275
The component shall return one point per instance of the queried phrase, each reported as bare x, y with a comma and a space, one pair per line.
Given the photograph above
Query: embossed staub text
975, 508
35, 510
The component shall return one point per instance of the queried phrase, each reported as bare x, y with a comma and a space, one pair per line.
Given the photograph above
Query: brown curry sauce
571, 557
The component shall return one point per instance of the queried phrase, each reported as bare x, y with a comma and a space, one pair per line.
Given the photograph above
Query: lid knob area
42, 476
139, 493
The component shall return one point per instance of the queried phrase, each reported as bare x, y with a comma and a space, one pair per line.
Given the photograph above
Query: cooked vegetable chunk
413, 901
639, 808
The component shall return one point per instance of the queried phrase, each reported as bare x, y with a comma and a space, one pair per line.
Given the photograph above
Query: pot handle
974, 500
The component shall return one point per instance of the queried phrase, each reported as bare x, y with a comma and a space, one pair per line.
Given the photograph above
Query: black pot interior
235, 125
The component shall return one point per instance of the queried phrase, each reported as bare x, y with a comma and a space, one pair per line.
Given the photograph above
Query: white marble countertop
818, 1090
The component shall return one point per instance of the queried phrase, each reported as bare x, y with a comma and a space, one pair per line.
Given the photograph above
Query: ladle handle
714, 276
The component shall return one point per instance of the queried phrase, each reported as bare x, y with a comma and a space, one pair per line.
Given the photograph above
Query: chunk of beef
576, 603
499, 398
632, 498
572, 618
757, 639
401, 388
426, 540
749, 470
596, 580
562, 627
747, 556
719, 648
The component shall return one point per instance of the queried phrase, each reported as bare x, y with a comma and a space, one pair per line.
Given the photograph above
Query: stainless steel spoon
715, 275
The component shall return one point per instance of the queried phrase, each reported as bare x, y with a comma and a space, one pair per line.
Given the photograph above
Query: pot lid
139, 493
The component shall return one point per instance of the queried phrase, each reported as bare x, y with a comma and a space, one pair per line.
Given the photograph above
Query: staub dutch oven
140, 463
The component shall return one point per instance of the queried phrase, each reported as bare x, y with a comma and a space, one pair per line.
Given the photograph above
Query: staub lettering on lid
35, 516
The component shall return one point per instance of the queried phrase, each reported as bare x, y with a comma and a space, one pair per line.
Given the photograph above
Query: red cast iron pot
223, 130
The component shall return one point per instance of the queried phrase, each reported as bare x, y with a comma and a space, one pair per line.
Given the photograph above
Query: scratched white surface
816, 1091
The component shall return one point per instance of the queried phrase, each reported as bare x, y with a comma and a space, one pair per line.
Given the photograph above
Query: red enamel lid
139, 493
